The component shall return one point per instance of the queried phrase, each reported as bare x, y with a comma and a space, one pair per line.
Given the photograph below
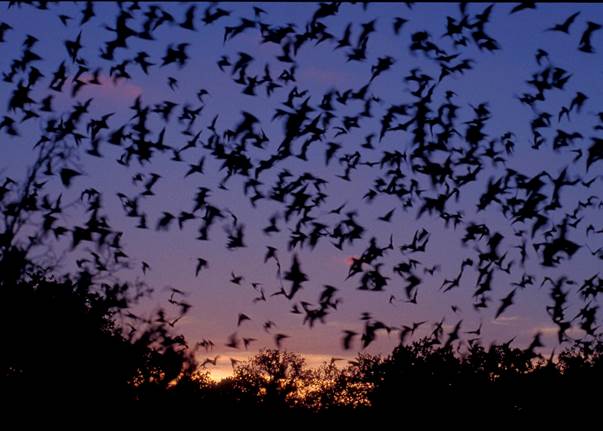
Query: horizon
494, 77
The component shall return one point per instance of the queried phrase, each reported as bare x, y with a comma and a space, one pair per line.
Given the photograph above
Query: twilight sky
497, 78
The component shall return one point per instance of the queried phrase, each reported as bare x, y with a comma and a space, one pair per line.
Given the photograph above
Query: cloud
549, 330
120, 90
506, 320
340, 261
325, 76
349, 260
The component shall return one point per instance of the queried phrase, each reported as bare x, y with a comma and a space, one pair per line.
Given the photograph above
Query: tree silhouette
273, 379
335, 390
65, 336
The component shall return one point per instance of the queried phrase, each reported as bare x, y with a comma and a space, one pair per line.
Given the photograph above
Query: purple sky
497, 78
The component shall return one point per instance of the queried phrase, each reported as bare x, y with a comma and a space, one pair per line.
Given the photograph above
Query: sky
497, 78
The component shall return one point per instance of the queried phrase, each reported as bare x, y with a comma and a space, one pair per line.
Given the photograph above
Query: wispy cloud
506, 320
325, 76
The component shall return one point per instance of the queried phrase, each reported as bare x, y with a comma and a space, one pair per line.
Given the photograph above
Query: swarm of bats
444, 150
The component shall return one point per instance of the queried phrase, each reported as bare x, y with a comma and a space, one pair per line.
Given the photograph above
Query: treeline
64, 342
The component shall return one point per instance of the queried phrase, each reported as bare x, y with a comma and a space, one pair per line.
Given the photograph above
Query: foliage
273, 379
74, 338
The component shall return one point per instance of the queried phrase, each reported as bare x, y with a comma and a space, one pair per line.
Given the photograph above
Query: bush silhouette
62, 344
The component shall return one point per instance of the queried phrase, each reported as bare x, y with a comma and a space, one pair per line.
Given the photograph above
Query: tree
62, 342
344, 391
73, 338
272, 379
